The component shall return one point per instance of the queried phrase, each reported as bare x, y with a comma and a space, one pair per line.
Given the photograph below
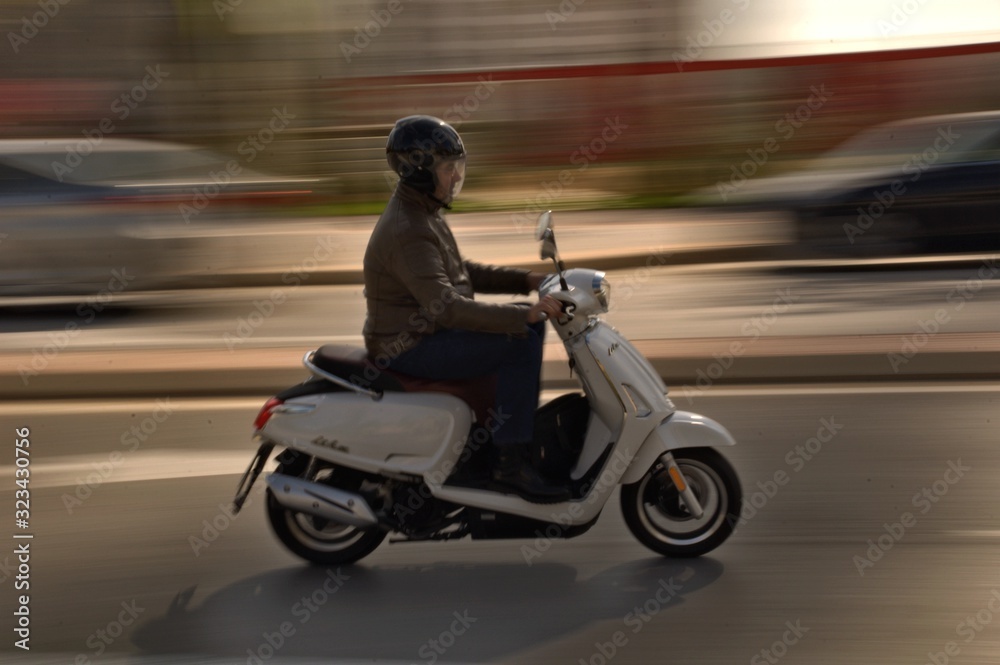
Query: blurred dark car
922, 185
82, 216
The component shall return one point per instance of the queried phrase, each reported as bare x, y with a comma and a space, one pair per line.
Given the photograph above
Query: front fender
681, 430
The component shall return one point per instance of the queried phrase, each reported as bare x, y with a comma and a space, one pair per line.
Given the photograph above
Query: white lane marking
89, 406
122, 467
793, 390
192, 404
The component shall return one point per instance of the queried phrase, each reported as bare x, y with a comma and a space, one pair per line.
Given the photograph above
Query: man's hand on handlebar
546, 308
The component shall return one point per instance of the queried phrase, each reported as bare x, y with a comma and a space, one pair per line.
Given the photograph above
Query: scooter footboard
681, 430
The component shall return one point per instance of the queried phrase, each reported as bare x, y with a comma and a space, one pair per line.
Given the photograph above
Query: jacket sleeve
422, 269
497, 279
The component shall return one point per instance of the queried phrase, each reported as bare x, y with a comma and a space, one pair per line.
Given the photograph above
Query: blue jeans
463, 354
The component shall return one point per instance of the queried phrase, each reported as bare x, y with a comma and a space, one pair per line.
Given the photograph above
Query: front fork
677, 478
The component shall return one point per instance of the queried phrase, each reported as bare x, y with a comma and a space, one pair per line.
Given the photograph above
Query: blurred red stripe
671, 66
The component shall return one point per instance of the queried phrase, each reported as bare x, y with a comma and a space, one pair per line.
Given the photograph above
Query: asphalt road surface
871, 525
871, 536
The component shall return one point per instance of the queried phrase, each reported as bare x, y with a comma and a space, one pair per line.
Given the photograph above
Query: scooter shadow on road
441, 611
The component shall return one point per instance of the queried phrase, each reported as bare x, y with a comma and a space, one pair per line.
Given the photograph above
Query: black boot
513, 470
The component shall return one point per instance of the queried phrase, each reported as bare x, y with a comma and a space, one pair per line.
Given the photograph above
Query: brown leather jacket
417, 283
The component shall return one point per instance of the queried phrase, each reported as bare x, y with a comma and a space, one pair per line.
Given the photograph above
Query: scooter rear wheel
657, 517
317, 540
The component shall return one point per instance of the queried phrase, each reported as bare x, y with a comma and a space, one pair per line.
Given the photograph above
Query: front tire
318, 540
657, 517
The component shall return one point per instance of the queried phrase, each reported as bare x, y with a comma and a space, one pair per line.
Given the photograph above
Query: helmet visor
449, 174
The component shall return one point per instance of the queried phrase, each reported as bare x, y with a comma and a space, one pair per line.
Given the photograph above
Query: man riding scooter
422, 317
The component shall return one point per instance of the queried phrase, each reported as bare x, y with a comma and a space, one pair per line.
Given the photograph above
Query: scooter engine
417, 511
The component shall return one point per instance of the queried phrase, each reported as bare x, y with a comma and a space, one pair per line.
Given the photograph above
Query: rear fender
681, 430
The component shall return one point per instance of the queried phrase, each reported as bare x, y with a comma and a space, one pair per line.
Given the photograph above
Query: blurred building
584, 101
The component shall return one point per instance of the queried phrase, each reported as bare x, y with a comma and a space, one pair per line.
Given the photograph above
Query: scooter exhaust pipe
321, 500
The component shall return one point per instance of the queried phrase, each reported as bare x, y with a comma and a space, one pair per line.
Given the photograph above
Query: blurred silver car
91, 216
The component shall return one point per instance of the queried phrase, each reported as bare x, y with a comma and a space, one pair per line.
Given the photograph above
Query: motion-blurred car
84, 216
922, 185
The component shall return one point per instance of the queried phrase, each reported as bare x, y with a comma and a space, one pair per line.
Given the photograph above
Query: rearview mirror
548, 247
544, 233
544, 224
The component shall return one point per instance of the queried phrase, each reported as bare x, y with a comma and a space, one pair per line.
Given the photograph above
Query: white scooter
364, 457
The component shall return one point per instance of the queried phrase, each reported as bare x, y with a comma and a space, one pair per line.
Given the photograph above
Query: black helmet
419, 143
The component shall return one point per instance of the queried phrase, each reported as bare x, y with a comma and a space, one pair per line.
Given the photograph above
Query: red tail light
266, 412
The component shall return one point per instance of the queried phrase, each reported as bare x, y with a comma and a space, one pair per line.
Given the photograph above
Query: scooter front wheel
318, 540
656, 514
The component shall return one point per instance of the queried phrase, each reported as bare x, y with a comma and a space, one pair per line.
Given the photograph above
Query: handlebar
567, 307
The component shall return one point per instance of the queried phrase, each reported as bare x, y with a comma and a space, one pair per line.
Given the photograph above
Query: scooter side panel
681, 430
621, 387
401, 432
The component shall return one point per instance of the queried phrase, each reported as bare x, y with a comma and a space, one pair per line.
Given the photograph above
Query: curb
695, 363
691, 365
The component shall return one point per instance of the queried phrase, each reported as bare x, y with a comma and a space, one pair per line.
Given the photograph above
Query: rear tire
656, 516
317, 540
